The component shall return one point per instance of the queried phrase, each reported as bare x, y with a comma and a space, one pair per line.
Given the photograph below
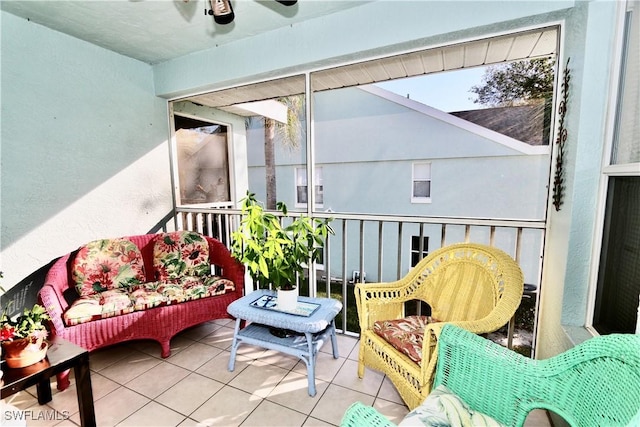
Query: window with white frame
618, 283
418, 251
421, 183
202, 162
301, 187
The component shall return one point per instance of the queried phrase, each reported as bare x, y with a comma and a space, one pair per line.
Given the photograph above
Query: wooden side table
314, 330
61, 356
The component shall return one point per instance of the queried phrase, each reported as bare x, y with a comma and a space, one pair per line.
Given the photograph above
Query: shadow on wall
25, 292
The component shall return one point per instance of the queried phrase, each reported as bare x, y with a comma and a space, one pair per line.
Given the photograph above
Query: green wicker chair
596, 383
474, 286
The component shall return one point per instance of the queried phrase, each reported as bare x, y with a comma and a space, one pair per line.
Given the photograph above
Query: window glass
618, 285
616, 307
626, 147
421, 180
203, 163
416, 253
301, 186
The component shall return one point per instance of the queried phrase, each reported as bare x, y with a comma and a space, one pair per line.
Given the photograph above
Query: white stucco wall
84, 152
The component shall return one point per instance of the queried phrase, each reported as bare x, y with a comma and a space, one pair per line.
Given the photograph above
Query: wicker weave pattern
159, 324
474, 286
596, 383
361, 415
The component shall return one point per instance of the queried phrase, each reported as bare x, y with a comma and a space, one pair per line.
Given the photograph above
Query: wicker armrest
375, 301
359, 415
602, 374
381, 301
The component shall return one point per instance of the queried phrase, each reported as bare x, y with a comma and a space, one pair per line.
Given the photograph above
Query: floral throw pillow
107, 264
405, 334
180, 253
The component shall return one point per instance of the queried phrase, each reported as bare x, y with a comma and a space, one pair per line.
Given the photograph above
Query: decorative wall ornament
558, 180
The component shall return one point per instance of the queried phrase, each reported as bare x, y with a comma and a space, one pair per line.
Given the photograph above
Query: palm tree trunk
270, 162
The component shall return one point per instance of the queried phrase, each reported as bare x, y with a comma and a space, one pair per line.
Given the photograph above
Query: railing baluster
380, 250
327, 265
420, 256
361, 260
344, 274
220, 223
399, 272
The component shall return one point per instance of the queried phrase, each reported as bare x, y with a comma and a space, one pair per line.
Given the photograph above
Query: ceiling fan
223, 12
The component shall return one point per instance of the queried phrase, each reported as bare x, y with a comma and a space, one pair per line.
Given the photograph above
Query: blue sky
448, 91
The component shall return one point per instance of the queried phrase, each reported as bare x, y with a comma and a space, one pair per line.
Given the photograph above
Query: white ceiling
154, 31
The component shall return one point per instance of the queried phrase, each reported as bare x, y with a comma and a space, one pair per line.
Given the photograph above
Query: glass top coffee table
301, 334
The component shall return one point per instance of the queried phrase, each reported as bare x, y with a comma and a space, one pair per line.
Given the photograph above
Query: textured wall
84, 152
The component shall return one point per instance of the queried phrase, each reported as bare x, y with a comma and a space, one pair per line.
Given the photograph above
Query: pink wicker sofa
156, 317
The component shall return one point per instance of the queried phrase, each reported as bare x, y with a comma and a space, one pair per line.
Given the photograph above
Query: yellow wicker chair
474, 286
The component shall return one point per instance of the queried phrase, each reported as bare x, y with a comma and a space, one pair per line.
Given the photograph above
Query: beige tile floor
134, 386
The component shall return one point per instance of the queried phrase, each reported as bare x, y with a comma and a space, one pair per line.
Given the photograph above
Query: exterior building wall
366, 146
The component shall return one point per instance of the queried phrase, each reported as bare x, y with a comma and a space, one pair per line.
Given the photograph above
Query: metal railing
379, 248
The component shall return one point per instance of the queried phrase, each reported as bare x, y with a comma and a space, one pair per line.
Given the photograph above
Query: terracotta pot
24, 352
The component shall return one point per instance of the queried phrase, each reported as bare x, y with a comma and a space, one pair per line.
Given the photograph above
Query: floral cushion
178, 254
172, 292
189, 288
109, 276
143, 298
98, 306
405, 335
442, 408
107, 264
218, 286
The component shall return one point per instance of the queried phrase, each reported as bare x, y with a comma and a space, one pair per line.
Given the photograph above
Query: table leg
334, 340
85, 393
311, 365
44, 391
234, 346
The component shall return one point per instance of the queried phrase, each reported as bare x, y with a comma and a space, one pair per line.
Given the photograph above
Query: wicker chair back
475, 286
596, 383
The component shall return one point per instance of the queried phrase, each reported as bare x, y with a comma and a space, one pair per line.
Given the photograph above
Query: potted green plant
23, 338
274, 253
